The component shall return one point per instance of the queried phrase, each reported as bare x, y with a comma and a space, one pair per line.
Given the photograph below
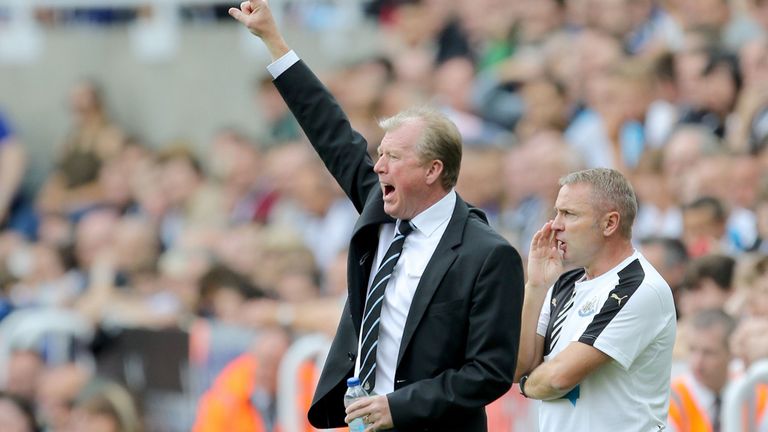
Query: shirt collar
428, 221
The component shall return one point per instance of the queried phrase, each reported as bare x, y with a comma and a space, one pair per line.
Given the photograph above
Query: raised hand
258, 19
545, 264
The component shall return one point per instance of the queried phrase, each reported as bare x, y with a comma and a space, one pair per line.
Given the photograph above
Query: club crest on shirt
589, 307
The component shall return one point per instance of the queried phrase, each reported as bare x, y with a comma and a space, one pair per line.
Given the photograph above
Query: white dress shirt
282, 64
418, 249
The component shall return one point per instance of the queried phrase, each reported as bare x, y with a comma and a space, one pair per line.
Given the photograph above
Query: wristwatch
521, 384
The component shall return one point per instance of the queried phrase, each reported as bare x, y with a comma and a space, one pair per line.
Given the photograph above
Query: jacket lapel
438, 265
365, 239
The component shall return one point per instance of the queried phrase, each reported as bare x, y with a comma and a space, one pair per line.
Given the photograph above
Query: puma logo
618, 299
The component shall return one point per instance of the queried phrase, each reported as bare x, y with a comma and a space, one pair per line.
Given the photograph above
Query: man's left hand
375, 413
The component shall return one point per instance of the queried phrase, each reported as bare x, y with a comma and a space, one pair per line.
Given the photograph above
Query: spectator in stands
244, 396
114, 181
93, 140
481, 169
359, 88
16, 414
686, 145
718, 86
12, 168
669, 256
93, 236
56, 394
601, 131
281, 126
286, 258
756, 287
223, 293
761, 212
23, 372
708, 284
194, 203
452, 90
239, 247
545, 107
150, 201
697, 396
42, 277
123, 284
313, 204
135, 247
237, 169
530, 174
658, 213
749, 343
318, 314
704, 230
104, 406
663, 112
750, 115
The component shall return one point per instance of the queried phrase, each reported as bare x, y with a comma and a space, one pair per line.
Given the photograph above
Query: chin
390, 211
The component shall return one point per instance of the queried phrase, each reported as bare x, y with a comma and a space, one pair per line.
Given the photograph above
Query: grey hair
440, 140
611, 191
708, 143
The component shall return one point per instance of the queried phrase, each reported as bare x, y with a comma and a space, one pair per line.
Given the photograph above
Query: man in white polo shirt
598, 321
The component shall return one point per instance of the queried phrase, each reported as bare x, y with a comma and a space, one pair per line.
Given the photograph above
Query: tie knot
405, 227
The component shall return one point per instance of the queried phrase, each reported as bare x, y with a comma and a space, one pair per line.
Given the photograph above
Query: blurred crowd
241, 248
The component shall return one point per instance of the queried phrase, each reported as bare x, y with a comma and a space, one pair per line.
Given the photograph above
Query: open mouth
561, 246
388, 190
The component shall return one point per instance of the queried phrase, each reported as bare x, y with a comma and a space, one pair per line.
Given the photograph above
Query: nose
557, 223
380, 166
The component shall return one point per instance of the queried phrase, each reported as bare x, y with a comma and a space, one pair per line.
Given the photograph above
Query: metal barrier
290, 415
741, 392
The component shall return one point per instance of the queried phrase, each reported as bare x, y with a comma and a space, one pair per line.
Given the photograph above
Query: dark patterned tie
716, 414
373, 304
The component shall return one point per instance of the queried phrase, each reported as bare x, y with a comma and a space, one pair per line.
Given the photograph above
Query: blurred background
172, 252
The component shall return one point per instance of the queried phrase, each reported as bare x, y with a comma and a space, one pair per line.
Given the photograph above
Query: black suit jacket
459, 345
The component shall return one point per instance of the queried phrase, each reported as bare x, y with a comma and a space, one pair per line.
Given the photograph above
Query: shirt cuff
282, 64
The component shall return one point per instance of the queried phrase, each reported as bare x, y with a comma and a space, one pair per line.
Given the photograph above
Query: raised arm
544, 267
343, 150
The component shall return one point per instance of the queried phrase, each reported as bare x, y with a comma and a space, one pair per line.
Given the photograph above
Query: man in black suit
434, 336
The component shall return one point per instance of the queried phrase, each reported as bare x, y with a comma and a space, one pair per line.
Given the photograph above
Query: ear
434, 171
610, 223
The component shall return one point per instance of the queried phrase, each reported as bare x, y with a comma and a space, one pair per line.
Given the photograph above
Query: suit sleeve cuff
282, 64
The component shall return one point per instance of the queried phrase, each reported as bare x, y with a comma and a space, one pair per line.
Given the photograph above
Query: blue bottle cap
353, 382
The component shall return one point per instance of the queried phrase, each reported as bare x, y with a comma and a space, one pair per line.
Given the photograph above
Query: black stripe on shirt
561, 292
630, 278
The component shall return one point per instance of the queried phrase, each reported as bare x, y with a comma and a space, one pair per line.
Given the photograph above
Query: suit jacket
459, 345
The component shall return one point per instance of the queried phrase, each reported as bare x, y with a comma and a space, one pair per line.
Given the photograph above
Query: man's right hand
257, 17
545, 264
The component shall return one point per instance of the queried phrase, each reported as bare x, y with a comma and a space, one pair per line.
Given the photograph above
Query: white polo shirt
627, 313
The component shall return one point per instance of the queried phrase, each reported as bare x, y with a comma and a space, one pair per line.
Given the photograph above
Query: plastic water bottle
354, 392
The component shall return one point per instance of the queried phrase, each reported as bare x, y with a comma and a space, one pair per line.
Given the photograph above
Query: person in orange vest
243, 398
696, 398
